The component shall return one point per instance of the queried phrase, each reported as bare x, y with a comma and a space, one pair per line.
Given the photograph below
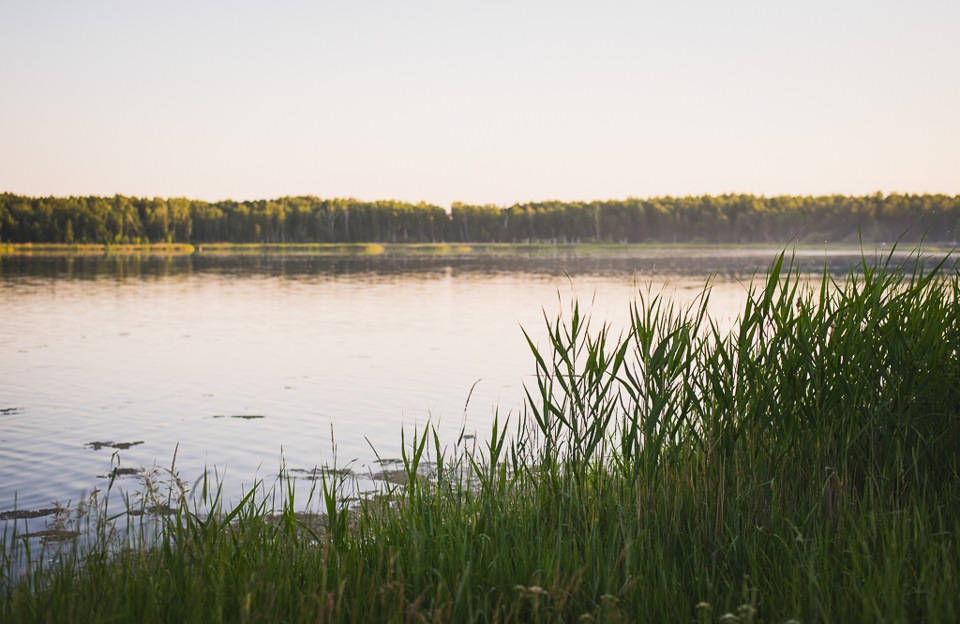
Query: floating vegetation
156, 510
389, 461
22, 514
320, 472
122, 472
52, 535
241, 416
402, 476
399, 477
121, 446
313, 522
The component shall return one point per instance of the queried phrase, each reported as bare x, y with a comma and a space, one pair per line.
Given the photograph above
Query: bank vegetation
724, 219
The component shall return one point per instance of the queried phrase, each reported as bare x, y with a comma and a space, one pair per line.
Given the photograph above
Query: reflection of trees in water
650, 261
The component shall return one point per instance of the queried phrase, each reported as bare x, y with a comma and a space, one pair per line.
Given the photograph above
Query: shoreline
428, 249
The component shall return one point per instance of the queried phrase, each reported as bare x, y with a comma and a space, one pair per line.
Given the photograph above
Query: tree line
706, 219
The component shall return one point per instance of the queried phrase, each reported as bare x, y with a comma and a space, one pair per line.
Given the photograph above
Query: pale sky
480, 102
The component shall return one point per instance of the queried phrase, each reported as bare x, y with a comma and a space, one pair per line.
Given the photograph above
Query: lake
238, 364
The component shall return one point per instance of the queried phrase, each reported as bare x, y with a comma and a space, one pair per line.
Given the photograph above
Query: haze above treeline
832, 219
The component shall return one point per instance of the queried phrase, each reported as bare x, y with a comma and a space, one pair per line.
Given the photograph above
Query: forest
724, 219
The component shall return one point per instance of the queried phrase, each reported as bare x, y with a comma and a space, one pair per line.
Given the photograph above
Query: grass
804, 466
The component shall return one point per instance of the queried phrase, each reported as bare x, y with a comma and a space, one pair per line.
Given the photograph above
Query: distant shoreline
308, 220
418, 249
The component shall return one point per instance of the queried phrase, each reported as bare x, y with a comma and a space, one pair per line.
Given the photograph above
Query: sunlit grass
804, 466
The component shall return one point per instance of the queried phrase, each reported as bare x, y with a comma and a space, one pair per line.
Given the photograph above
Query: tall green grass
803, 466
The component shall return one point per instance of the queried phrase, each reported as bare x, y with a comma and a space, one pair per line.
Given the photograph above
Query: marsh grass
803, 466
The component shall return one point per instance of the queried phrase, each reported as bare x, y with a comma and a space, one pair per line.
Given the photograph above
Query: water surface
241, 363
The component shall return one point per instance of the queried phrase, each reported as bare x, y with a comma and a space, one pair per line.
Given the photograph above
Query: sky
479, 102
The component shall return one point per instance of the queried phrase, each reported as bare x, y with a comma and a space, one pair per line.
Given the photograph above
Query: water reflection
641, 261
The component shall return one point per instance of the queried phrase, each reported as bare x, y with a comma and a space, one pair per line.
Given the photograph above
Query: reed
803, 466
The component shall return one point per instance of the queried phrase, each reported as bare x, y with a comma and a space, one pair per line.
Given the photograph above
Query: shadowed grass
802, 466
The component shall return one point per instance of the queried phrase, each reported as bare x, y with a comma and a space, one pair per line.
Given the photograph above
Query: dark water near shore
241, 363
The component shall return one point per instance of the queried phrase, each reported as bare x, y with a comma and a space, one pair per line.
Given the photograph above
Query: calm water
239, 363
